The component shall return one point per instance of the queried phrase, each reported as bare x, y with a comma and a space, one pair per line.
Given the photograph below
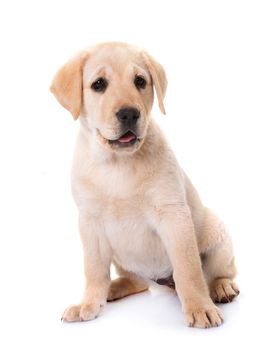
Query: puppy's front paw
81, 312
205, 317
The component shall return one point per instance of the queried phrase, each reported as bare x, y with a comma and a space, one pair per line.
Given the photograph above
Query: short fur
137, 208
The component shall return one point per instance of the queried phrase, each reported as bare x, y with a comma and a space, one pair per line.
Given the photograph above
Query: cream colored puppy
137, 208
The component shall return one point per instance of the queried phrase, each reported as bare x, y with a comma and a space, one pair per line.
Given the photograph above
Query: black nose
128, 116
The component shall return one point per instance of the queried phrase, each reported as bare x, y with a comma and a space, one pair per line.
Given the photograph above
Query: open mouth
126, 140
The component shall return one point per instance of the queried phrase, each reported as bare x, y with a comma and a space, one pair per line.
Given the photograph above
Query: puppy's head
111, 88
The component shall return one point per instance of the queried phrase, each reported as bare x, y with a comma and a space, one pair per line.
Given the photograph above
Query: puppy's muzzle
128, 117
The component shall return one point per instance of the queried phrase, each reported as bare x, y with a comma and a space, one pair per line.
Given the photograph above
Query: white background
221, 59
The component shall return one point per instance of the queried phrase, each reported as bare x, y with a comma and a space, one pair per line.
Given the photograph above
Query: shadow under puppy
137, 208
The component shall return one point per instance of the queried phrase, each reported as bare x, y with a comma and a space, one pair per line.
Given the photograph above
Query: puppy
137, 208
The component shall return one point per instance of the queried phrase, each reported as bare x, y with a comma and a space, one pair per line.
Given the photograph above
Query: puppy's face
111, 87
118, 97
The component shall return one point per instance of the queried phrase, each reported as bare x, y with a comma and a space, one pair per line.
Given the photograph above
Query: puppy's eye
99, 85
140, 82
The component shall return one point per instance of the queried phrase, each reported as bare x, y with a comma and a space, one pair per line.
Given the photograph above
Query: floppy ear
67, 85
158, 75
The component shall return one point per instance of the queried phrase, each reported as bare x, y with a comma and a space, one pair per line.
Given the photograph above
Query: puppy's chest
136, 246
122, 210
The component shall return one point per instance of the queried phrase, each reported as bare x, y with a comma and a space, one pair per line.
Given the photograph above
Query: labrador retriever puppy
137, 208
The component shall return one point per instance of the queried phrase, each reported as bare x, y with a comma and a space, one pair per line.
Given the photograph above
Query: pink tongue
126, 138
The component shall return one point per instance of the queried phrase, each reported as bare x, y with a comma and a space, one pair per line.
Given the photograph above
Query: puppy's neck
118, 175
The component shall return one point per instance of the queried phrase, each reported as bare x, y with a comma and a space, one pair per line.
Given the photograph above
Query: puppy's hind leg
127, 284
217, 259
